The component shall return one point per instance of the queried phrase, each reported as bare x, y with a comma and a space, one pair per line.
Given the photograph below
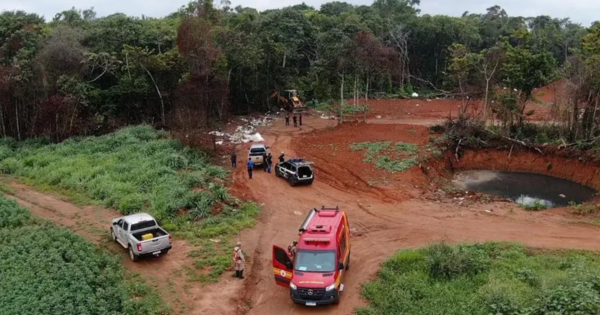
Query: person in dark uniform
264, 162
233, 160
282, 157
287, 118
269, 162
295, 121
300, 120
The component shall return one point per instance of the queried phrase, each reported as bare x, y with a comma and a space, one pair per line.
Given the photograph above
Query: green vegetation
583, 209
491, 278
134, 169
50, 270
399, 161
535, 205
139, 169
212, 236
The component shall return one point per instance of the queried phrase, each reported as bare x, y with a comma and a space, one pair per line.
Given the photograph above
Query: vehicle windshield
143, 225
315, 261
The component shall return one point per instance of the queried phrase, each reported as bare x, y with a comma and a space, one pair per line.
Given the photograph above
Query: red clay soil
165, 274
381, 222
443, 108
585, 173
339, 166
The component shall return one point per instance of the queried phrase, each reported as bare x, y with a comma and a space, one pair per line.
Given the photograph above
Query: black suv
296, 171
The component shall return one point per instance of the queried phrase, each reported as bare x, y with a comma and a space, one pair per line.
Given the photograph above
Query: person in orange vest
239, 260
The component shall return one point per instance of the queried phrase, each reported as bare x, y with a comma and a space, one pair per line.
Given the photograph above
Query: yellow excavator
290, 101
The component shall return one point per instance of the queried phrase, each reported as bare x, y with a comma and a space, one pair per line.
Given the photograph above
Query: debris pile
245, 133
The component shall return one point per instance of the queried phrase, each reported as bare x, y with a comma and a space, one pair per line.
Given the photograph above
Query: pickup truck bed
157, 232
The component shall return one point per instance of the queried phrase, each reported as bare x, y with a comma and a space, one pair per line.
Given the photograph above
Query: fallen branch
428, 82
457, 148
522, 143
509, 153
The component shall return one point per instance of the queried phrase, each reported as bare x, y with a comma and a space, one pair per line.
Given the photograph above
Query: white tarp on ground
415, 94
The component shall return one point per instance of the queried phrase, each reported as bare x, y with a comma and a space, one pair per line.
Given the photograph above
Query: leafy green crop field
49, 270
491, 278
139, 169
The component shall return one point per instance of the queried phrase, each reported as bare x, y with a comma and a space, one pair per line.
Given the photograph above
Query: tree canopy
81, 74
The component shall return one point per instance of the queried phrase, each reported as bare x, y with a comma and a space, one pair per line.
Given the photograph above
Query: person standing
292, 249
295, 120
250, 166
282, 157
269, 162
233, 160
300, 120
265, 165
287, 118
314, 103
239, 260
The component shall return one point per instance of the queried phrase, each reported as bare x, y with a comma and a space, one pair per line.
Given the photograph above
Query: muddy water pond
525, 188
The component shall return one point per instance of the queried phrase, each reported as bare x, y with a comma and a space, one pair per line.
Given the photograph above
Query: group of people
267, 160
296, 119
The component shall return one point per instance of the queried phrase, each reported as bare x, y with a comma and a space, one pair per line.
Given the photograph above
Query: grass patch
50, 270
134, 169
491, 278
535, 205
138, 169
398, 157
583, 209
212, 238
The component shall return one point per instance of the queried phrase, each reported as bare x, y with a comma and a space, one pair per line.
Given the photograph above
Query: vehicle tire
132, 255
292, 182
112, 234
336, 301
166, 251
277, 172
310, 182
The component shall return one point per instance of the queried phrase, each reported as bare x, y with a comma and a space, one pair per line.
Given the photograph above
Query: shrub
482, 279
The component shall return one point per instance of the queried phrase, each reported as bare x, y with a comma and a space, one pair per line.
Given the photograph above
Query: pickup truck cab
256, 153
140, 235
296, 171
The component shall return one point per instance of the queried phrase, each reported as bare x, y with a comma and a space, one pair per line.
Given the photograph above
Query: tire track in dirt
380, 227
165, 274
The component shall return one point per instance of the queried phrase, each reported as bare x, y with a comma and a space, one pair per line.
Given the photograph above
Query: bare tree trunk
342, 100
127, 64
284, 55
2, 121
162, 104
367, 92
17, 116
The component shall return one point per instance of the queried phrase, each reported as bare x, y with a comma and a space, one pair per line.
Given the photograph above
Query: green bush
482, 279
50, 270
134, 169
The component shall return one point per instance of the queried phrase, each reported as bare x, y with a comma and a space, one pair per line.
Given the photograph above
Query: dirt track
381, 225
384, 218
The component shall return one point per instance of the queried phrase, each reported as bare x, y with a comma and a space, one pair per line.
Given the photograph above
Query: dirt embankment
556, 165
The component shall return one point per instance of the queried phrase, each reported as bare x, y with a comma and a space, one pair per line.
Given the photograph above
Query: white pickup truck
256, 153
140, 235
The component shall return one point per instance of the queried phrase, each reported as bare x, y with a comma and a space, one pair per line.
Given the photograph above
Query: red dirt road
382, 221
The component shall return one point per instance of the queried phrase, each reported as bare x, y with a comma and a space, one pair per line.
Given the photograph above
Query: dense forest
79, 74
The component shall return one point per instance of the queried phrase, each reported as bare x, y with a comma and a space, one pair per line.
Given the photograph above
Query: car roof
259, 145
137, 218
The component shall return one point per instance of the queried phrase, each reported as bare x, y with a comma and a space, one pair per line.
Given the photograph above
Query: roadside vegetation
490, 278
50, 270
138, 169
388, 156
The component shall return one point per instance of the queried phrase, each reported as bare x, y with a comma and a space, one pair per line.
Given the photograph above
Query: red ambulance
315, 275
